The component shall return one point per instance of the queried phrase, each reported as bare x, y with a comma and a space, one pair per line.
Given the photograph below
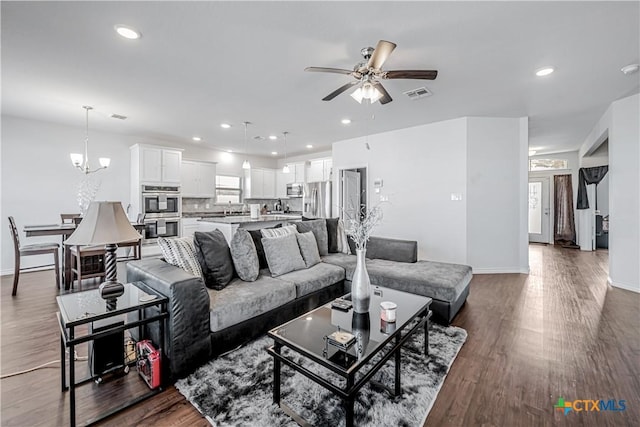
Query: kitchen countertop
222, 215
247, 218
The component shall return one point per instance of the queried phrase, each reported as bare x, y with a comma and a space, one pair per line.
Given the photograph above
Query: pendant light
246, 164
285, 169
82, 162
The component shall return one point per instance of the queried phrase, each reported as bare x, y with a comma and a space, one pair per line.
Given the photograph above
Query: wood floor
560, 331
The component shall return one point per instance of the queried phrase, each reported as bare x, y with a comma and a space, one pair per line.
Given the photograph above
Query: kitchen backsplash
193, 205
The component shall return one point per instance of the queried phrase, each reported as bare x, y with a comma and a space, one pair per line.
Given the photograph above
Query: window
547, 164
228, 189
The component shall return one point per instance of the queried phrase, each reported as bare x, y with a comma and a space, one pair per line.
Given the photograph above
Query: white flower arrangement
359, 229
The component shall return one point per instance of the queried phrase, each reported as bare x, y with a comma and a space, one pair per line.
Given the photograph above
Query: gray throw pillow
277, 232
214, 257
283, 254
308, 248
244, 255
319, 229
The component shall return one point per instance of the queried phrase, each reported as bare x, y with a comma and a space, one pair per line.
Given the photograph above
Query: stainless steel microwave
295, 189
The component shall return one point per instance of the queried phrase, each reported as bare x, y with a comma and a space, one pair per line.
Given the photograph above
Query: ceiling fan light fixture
358, 95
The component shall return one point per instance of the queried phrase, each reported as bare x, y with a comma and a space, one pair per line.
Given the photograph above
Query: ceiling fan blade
339, 91
329, 70
411, 74
380, 54
386, 98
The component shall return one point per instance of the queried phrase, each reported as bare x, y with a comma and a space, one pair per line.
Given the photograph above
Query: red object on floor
148, 363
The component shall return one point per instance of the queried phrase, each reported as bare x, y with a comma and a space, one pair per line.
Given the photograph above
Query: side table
83, 308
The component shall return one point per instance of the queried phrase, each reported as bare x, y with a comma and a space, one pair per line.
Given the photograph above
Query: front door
539, 218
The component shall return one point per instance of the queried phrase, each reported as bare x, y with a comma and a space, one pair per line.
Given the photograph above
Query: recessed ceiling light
127, 32
197, 138
545, 71
275, 153
309, 146
346, 121
225, 125
532, 152
273, 137
229, 151
630, 69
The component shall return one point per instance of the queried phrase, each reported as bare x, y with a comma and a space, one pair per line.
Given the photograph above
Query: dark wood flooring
559, 331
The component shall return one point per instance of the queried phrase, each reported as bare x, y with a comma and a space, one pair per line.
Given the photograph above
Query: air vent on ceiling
259, 138
418, 93
118, 116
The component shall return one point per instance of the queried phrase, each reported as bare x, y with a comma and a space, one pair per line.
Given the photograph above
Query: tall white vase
360, 284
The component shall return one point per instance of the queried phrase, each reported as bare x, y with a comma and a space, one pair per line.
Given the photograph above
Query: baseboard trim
625, 286
507, 270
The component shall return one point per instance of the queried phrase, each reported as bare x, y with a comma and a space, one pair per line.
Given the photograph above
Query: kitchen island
229, 224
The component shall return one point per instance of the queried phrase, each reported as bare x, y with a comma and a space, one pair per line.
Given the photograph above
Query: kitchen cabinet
261, 184
320, 170
155, 165
298, 172
190, 226
198, 179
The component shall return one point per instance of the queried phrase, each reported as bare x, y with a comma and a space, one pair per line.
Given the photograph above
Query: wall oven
160, 227
161, 201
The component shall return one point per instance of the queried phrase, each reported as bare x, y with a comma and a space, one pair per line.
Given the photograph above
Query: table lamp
105, 223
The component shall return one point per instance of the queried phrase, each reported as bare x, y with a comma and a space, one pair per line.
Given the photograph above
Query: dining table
63, 230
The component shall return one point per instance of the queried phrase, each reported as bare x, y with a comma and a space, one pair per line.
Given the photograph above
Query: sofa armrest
390, 249
187, 333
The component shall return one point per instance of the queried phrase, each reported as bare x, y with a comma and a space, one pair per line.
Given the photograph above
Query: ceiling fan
369, 72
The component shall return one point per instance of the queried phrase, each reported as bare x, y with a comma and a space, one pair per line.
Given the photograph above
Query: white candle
388, 311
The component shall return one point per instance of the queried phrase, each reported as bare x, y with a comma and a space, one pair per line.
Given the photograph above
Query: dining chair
34, 249
86, 261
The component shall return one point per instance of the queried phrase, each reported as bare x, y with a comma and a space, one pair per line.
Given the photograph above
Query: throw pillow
179, 251
256, 235
343, 241
244, 255
214, 257
332, 235
277, 232
308, 248
319, 229
283, 254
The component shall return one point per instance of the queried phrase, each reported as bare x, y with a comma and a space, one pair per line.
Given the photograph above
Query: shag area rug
236, 389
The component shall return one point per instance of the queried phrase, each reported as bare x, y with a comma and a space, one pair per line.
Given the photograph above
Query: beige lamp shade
104, 223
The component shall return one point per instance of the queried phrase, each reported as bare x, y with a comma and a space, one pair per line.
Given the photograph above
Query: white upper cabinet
261, 183
320, 170
198, 179
298, 172
282, 179
155, 165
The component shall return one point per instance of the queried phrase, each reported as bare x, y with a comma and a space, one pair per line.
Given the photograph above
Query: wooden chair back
14, 234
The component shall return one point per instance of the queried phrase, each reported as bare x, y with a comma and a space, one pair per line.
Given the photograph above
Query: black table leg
276, 374
426, 335
398, 357
63, 362
72, 380
349, 402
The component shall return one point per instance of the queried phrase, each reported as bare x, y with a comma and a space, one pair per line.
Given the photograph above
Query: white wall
422, 166
39, 182
624, 194
494, 195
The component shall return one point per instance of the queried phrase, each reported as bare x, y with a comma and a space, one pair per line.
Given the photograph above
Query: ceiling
199, 64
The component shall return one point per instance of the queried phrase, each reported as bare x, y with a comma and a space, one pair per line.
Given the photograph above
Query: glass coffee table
376, 341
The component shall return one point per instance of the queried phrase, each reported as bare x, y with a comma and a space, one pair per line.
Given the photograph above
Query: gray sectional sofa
205, 322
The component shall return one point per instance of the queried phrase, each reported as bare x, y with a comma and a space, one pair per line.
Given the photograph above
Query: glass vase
360, 284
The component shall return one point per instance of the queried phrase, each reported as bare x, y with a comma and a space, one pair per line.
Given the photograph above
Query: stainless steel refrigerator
316, 200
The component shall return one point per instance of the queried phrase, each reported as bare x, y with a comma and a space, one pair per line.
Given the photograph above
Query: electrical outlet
456, 197
384, 198
195, 206
206, 206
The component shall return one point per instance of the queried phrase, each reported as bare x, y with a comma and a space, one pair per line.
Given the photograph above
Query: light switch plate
456, 197
384, 198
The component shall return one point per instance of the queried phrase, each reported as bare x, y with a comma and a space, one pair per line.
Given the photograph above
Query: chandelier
82, 162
